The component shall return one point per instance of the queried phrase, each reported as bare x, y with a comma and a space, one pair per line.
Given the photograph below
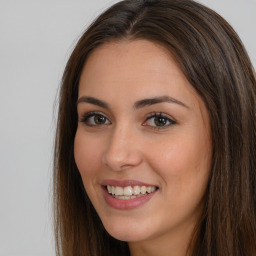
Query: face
143, 145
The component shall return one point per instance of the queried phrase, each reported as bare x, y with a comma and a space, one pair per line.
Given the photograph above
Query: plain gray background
36, 38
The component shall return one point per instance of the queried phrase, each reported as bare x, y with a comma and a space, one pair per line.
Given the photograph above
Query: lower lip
127, 204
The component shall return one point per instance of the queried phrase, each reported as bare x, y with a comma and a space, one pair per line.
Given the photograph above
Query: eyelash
162, 116
86, 119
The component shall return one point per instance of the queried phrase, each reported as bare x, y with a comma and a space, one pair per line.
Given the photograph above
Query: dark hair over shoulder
214, 61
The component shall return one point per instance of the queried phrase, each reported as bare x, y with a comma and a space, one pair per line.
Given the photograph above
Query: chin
127, 236
127, 232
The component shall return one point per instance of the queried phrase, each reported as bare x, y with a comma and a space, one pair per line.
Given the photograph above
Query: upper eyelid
153, 114
91, 113
157, 114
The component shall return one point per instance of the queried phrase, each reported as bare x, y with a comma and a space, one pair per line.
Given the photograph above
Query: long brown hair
216, 64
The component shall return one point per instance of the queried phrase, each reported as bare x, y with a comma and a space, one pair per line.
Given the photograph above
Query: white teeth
143, 190
129, 192
149, 189
136, 190
119, 191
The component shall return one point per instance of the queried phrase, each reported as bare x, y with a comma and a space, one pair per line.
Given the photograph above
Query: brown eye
99, 119
94, 119
159, 121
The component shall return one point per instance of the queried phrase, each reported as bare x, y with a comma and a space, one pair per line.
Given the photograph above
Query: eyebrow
161, 99
93, 101
138, 104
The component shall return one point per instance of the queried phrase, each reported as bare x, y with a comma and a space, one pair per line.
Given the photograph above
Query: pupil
99, 119
160, 121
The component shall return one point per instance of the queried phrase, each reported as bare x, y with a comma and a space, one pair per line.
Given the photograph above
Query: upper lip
125, 183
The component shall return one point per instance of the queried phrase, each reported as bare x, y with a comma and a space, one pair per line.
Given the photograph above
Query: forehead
133, 69
122, 55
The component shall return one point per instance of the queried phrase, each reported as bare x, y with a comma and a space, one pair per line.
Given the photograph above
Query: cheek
87, 155
184, 168
182, 162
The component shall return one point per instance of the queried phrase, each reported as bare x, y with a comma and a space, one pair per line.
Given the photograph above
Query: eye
158, 120
94, 119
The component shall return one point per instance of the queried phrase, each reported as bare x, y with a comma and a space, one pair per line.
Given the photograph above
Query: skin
175, 157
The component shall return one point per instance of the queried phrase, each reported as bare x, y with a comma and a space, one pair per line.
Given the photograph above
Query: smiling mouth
129, 192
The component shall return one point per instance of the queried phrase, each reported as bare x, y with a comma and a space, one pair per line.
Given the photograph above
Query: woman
155, 146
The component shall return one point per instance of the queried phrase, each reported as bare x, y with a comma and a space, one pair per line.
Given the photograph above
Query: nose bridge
121, 151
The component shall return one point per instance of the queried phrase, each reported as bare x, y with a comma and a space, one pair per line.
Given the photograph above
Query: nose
122, 151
